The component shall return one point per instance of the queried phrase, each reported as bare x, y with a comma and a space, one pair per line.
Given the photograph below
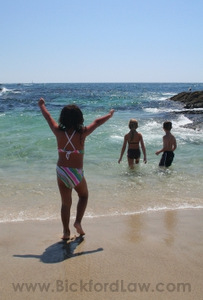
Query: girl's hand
111, 112
41, 102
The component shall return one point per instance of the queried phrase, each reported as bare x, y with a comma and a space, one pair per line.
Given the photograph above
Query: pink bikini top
69, 152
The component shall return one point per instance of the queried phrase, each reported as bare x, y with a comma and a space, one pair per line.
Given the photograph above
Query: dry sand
144, 256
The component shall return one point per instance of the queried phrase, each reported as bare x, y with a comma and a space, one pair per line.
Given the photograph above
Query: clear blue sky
101, 41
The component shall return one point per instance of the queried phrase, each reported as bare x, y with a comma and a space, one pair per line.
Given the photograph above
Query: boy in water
169, 145
133, 139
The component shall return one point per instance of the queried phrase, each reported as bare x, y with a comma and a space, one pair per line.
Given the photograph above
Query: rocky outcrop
190, 99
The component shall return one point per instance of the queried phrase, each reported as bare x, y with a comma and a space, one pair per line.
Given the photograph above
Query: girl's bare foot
66, 236
79, 229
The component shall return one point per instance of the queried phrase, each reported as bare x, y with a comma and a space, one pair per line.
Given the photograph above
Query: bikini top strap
69, 140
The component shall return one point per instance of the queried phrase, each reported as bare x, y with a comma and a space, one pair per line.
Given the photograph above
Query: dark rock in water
195, 126
191, 99
190, 112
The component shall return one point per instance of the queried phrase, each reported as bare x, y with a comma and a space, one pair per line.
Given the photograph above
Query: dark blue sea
28, 189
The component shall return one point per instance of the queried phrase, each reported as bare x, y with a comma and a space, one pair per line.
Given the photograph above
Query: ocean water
28, 189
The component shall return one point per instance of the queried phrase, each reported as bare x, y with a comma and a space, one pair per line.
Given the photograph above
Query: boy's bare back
169, 142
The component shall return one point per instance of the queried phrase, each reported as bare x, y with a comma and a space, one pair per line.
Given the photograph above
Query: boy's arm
98, 122
168, 145
174, 144
162, 150
123, 149
52, 123
159, 151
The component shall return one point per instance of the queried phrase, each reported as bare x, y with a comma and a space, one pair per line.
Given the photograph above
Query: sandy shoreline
120, 258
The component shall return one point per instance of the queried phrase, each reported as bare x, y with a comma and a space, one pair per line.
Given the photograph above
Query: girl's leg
131, 163
137, 160
66, 202
82, 191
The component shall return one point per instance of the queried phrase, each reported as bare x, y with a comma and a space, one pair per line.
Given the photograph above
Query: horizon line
103, 82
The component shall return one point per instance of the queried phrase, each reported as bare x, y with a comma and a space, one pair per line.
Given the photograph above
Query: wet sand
157, 255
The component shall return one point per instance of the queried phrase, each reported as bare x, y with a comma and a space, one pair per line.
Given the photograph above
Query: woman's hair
71, 117
133, 125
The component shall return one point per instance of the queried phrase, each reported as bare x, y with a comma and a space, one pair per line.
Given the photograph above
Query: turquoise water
28, 150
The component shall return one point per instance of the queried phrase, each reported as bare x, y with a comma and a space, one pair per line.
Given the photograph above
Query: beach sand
118, 255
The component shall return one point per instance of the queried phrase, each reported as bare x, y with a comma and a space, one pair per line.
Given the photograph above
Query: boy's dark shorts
134, 153
166, 159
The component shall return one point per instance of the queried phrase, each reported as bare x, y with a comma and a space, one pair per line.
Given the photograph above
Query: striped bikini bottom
70, 176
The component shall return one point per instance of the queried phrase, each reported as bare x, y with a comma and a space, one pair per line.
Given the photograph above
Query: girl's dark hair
71, 117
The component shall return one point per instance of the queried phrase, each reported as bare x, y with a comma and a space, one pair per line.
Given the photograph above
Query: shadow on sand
60, 251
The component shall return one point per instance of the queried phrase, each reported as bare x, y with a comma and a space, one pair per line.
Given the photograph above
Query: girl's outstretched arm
98, 122
46, 114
